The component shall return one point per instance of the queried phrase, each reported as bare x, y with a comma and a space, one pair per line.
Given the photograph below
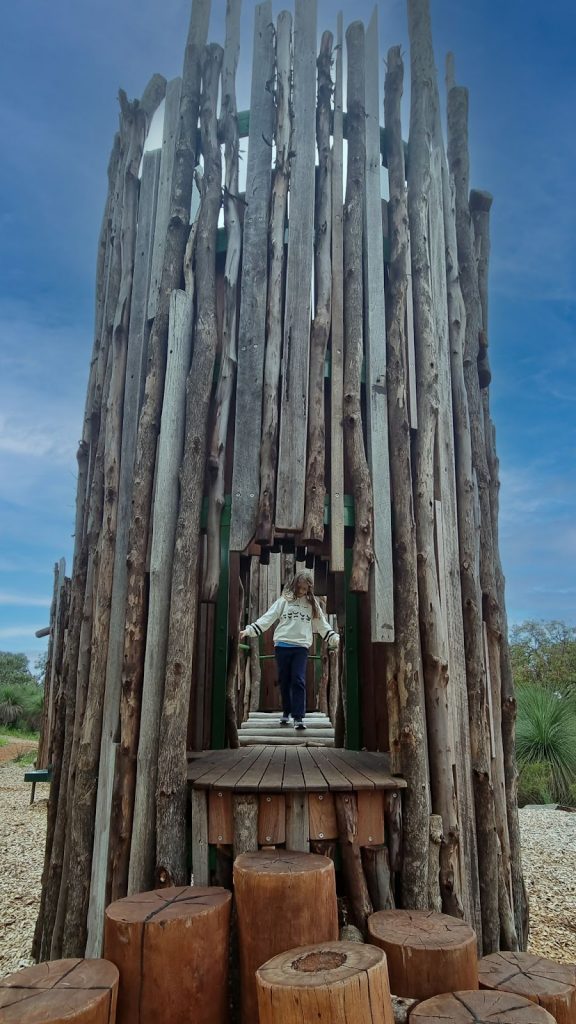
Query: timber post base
329, 983
479, 1008
74, 991
427, 953
283, 899
171, 948
542, 981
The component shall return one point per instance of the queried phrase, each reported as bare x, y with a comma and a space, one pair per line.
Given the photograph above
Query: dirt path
13, 747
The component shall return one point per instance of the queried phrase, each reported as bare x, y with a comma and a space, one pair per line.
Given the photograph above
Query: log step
62, 990
542, 981
472, 1007
328, 982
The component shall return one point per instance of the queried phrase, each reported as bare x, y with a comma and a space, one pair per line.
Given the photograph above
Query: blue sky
61, 67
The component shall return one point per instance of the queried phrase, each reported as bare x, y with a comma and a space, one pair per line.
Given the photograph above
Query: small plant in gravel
546, 738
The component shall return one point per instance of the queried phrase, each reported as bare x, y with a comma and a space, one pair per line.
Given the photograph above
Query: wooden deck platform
275, 768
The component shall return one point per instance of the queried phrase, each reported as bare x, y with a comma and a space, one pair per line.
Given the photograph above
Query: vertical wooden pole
296, 345
252, 322
337, 332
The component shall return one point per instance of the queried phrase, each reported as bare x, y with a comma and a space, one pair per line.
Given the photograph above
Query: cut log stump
329, 983
283, 899
427, 953
75, 991
171, 948
542, 981
479, 1008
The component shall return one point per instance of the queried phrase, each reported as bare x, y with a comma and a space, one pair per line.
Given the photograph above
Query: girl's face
302, 586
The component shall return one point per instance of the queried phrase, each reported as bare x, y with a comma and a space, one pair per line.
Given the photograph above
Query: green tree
544, 654
14, 670
546, 737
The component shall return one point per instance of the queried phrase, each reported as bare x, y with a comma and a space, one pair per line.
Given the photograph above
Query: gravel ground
548, 844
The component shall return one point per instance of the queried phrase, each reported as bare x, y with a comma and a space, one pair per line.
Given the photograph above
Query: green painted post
221, 635
351, 656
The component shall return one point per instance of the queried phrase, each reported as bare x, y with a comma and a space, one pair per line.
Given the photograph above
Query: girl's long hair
289, 591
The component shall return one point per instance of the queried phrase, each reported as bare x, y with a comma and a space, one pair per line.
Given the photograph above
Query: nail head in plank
322, 816
271, 819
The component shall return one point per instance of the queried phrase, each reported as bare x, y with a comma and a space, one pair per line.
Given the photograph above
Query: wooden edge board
334, 778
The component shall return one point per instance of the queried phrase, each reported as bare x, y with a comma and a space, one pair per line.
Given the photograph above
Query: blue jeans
291, 662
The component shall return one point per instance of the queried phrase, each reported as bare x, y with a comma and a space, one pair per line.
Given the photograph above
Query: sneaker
284, 720
299, 725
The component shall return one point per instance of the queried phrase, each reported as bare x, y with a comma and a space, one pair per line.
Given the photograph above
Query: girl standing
298, 615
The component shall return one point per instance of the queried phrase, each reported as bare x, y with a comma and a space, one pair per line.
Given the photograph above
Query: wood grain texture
331, 983
72, 990
296, 347
169, 139
381, 573
278, 895
427, 953
543, 981
152, 935
470, 1007
252, 321
337, 326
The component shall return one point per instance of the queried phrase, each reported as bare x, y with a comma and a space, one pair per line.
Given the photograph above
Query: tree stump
479, 1008
75, 991
542, 981
427, 953
329, 983
171, 948
283, 899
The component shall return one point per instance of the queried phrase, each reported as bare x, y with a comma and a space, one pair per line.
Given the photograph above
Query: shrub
546, 734
21, 706
535, 784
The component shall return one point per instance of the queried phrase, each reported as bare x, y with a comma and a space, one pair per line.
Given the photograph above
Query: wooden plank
297, 824
204, 760
251, 780
314, 780
337, 333
200, 864
322, 816
252, 319
220, 817
169, 139
274, 775
335, 779
357, 778
370, 818
381, 574
271, 819
274, 586
234, 767
376, 767
293, 777
296, 347
232, 778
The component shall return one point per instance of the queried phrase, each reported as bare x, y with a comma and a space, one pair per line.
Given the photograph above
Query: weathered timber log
166, 494
231, 714
291, 475
469, 541
427, 953
172, 764
422, 198
149, 423
459, 166
253, 613
252, 319
331, 982
167, 154
549, 984
434, 846
405, 689
355, 879
57, 753
277, 895
337, 325
480, 204
363, 553
48, 707
275, 298
376, 865
469, 1007
229, 358
75, 991
153, 937
315, 490
381, 572
135, 374
245, 810
135, 119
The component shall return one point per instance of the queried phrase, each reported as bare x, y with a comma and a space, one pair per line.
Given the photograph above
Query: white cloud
22, 601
